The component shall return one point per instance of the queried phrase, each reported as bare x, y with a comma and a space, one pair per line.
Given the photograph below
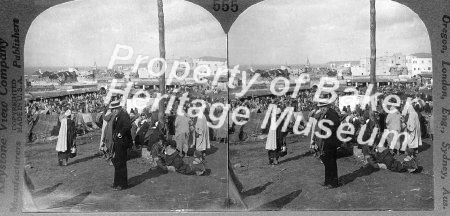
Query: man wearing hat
122, 142
328, 146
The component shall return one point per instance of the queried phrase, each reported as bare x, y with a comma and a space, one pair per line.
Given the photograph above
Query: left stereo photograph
126, 108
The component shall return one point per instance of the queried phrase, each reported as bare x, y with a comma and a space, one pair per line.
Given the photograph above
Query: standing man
328, 146
122, 142
273, 146
414, 138
182, 132
66, 138
32, 120
394, 123
202, 141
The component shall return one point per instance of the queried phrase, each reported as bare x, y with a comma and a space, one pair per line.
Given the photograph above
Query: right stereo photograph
316, 121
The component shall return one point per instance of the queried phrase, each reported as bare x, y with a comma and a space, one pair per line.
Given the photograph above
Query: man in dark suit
122, 142
328, 146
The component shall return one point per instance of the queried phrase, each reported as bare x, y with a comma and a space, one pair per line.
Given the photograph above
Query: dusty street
294, 184
84, 185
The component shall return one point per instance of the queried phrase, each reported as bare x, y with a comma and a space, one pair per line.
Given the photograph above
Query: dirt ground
84, 185
294, 184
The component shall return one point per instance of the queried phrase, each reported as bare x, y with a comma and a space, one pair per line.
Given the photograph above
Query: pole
373, 49
162, 54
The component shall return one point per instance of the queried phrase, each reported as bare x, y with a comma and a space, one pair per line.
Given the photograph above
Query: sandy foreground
294, 184
84, 185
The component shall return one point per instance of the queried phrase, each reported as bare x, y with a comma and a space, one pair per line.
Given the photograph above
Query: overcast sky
80, 32
280, 31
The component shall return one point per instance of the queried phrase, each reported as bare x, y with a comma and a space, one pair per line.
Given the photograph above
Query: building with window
384, 65
215, 63
419, 63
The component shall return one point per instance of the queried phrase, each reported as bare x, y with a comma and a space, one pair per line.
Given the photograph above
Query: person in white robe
393, 123
182, 133
202, 142
66, 137
414, 139
271, 142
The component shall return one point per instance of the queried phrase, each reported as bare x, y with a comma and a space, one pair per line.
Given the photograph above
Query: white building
383, 65
419, 63
359, 71
144, 73
212, 62
335, 65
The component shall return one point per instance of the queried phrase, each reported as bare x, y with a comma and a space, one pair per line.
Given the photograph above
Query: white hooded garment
61, 145
202, 142
414, 139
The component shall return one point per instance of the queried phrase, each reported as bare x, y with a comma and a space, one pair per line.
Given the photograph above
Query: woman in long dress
66, 137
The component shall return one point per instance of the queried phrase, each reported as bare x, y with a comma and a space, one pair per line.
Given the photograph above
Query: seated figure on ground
382, 158
171, 160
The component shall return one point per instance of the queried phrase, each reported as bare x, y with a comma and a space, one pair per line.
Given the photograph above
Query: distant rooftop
422, 55
343, 62
212, 58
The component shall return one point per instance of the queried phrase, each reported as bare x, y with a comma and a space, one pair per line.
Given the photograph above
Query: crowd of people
178, 136
88, 102
303, 102
178, 142
78, 104
201, 89
414, 118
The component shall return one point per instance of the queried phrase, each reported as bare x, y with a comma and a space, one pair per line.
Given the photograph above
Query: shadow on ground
212, 150
152, 173
45, 191
256, 190
82, 160
279, 203
425, 146
298, 157
71, 202
363, 171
